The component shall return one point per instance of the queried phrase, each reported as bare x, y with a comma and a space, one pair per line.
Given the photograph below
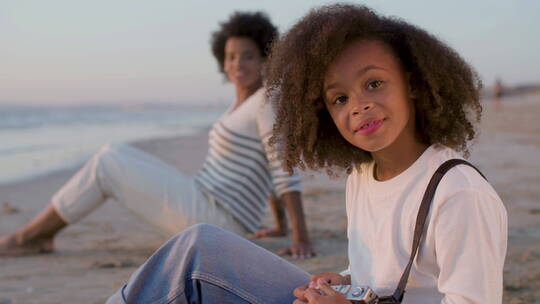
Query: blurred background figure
498, 93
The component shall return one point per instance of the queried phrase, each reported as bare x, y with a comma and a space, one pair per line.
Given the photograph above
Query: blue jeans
206, 264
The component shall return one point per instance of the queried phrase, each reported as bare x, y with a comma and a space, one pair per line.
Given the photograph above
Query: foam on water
36, 140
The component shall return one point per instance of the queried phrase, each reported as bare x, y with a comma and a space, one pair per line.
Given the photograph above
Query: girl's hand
324, 295
299, 294
330, 277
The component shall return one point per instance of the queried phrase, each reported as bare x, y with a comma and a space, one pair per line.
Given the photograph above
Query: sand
97, 255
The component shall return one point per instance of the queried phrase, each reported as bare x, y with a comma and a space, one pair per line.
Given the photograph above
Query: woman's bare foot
37, 236
10, 246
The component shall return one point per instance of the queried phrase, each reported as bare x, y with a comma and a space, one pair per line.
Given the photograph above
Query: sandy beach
97, 255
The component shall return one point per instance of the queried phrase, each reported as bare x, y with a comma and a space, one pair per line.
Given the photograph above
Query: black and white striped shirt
241, 170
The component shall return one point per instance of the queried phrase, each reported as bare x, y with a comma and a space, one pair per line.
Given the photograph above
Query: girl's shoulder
461, 178
458, 177
461, 181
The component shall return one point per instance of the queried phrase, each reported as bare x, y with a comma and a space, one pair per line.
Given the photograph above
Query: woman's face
367, 94
243, 62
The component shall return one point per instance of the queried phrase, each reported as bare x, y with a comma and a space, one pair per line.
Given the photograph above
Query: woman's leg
142, 183
206, 264
35, 236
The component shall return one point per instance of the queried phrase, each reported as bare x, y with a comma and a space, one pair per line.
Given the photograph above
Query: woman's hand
324, 294
298, 250
269, 232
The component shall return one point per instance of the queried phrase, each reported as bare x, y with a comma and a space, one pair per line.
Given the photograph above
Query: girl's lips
370, 127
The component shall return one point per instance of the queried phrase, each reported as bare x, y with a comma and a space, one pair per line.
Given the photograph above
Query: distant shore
98, 254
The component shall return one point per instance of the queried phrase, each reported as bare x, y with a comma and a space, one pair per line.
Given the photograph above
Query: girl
230, 189
389, 103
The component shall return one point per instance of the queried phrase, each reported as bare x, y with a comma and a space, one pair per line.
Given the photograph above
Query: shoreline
72, 166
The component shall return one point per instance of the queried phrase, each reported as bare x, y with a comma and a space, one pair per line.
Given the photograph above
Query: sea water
35, 140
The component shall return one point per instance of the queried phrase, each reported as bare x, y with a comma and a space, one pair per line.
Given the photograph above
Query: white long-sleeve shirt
462, 251
241, 170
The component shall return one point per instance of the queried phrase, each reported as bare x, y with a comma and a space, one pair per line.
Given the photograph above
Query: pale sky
122, 51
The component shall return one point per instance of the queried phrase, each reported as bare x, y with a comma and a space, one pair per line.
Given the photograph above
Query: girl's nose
361, 106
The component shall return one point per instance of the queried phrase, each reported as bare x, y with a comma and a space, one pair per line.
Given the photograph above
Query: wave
37, 139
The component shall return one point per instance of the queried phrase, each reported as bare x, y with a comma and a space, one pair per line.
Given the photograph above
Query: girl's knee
111, 148
201, 236
204, 228
203, 231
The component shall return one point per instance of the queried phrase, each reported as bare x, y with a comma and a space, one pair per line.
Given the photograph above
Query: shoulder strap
423, 211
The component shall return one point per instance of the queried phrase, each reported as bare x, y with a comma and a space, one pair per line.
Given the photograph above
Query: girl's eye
372, 85
340, 99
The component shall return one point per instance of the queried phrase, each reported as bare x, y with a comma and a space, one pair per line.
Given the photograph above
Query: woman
230, 189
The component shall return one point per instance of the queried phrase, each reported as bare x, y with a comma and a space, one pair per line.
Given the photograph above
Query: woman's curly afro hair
255, 26
445, 87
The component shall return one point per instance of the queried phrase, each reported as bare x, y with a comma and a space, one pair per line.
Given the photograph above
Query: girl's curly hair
255, 26
445, 87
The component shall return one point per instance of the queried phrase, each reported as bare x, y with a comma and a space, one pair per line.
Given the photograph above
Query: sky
138, 51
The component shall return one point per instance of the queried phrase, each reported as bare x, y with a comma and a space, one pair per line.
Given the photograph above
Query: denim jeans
206, 264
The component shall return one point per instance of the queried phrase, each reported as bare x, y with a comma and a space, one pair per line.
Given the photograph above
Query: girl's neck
242, 93
393, 160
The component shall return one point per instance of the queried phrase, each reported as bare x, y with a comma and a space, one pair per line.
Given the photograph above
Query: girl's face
367, 95
243, 62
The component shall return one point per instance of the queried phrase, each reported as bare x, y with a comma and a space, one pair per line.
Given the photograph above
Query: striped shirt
241, 170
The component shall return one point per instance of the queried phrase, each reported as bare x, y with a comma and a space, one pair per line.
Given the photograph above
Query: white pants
150, 188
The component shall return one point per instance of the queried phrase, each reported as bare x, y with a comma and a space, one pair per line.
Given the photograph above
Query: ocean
35, 140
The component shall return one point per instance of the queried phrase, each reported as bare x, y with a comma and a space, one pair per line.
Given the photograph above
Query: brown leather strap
423, 211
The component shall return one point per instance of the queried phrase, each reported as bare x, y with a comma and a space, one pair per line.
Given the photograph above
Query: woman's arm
280, 220
292, 202
301, 247
288, 187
